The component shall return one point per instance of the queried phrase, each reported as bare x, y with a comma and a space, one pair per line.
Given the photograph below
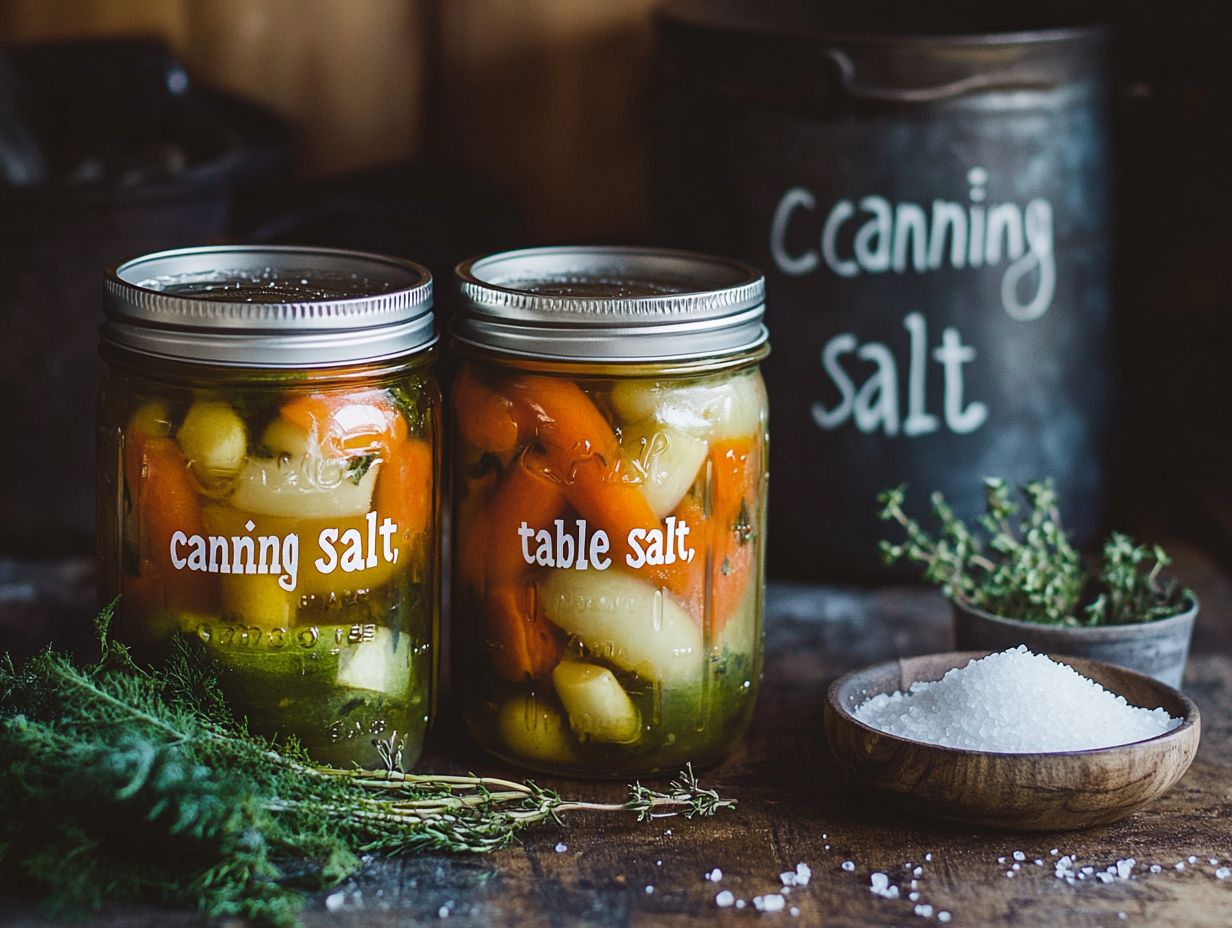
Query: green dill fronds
119, 782
1018, 562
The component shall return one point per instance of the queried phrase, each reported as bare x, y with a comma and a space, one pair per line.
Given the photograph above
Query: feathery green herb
119, 782
1018, 562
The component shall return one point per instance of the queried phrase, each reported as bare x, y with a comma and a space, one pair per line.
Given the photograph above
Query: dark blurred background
436, 129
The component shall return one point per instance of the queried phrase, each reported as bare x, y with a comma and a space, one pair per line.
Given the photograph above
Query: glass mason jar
268, 452
610, 434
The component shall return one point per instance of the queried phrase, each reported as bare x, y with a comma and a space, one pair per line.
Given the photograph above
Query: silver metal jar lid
269, 306
608, 303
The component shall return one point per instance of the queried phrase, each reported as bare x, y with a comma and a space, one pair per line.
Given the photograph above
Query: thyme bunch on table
1018, 562
123, 782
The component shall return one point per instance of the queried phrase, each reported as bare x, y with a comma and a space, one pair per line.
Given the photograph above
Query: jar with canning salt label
268, 443
610, 427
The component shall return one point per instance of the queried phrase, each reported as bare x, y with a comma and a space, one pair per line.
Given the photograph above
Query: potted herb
1014, 578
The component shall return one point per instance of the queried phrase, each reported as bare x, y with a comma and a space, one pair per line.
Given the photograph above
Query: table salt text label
347, 550
579, 547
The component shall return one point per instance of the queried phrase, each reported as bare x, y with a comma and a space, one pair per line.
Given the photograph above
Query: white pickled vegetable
376, 664
718, 409
598, 707
213, 439
666, 460
535, 731
297, 487
627, 621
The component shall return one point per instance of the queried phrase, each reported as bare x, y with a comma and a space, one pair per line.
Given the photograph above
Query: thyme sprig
119, 782
1017, 561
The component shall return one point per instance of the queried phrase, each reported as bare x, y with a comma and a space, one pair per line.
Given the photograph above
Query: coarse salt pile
1014, 702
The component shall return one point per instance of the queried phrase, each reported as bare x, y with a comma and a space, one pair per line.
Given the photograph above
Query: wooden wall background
542, 96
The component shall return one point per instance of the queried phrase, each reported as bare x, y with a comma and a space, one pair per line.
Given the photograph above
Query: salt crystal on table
1156, 868
944, 916
924, 910
1019, 855
1192, 859
724, 899
849, 865
804, 873
561, 848
980, 707
769, 903
1223, 873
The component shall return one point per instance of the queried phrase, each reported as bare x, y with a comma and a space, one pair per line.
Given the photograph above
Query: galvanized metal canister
933, 216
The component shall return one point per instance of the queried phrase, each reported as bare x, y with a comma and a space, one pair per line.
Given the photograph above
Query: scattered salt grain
1125, 867
724, 899
924, 910
849, 865
649, 890
981, 707
769, 903
943, 916
880, 885
928, 857
334, 902
1213, 861
740, 903
1223, 873
1019, 855
788, 878
1054, 851
715, 875
914, 897
795, 912
918, 871
1192, 859
1179, 865
1156, 868
561, 848
804, 873
442, 912
1039, 862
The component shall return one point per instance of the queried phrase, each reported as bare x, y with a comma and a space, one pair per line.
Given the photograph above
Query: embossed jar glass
268, 457
610, 436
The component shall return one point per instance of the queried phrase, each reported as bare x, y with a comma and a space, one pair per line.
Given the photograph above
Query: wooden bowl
1030, 792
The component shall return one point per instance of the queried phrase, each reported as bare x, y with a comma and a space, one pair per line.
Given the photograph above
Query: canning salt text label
278, 555
874, 236
579, 547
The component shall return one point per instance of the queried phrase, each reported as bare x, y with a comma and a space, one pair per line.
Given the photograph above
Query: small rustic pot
1158, 649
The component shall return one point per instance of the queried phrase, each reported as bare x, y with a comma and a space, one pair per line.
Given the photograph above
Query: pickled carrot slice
583, 454
485, 418
162, 490
350, 422
522, 644
404, 488
735, 469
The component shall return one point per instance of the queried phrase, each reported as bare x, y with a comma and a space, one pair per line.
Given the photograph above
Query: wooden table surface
794, 807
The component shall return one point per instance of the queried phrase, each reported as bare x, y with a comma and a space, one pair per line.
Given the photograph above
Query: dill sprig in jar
610, 427
269, 445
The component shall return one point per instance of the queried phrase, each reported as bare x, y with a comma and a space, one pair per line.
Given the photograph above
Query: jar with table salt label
609, 507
